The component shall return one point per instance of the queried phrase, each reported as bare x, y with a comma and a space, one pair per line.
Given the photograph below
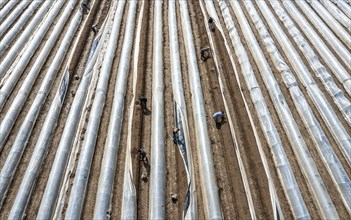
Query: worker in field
143, 101
211, 25
205, 53
175, 135
144, 159
218, 117
142, 156
85, 7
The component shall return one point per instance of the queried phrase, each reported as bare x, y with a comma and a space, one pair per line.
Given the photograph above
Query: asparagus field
175, 109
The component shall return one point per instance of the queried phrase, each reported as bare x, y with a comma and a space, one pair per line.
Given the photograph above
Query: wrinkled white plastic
189, 210
42, 145
2, 3
157, 191
277, 212
339, 71
14, 157
7, 8
208, 178
32, 45
103, 206
40, 151
333, 24
211, 8
337, 94
81, 178
282, 163
4, 25
343, 5
324, 108
129, 197
337, 14
23, 93
53, 186
295, 137
9, 36
323, 30
334, 166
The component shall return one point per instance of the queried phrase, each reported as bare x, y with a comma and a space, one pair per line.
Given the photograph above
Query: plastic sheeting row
29, 81
323, 146
9, 36
207, 174
13, 159
337, 14
180, 114
344, 6
14, 14
336, 128
33, 43
129, 197
56, 177
322, 28
211, 9
282, 163
78, 191
7, 8
300, 148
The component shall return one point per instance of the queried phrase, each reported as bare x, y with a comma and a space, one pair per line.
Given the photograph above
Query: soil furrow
145, 69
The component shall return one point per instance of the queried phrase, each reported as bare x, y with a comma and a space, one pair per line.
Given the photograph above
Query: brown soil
140, 120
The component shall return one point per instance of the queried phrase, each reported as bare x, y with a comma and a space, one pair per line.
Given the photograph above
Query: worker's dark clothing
142, 155
210, 24
218, 117
175, 135
143, 101
85, 7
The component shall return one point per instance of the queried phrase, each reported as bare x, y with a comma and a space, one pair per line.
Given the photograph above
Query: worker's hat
175, 129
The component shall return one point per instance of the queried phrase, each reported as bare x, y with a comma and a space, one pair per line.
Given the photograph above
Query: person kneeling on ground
210, 24
218, 117
142, 155
143, 101
85, 7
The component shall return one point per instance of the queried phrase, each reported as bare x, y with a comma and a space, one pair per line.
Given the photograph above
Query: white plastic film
333, 24
33, 44
80, 183
12, 17
24, 91
9, 36
337, 14
14, 157
189, 210
51, 193
336, 128
157, 191
282, 163
7, 8
323, 30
